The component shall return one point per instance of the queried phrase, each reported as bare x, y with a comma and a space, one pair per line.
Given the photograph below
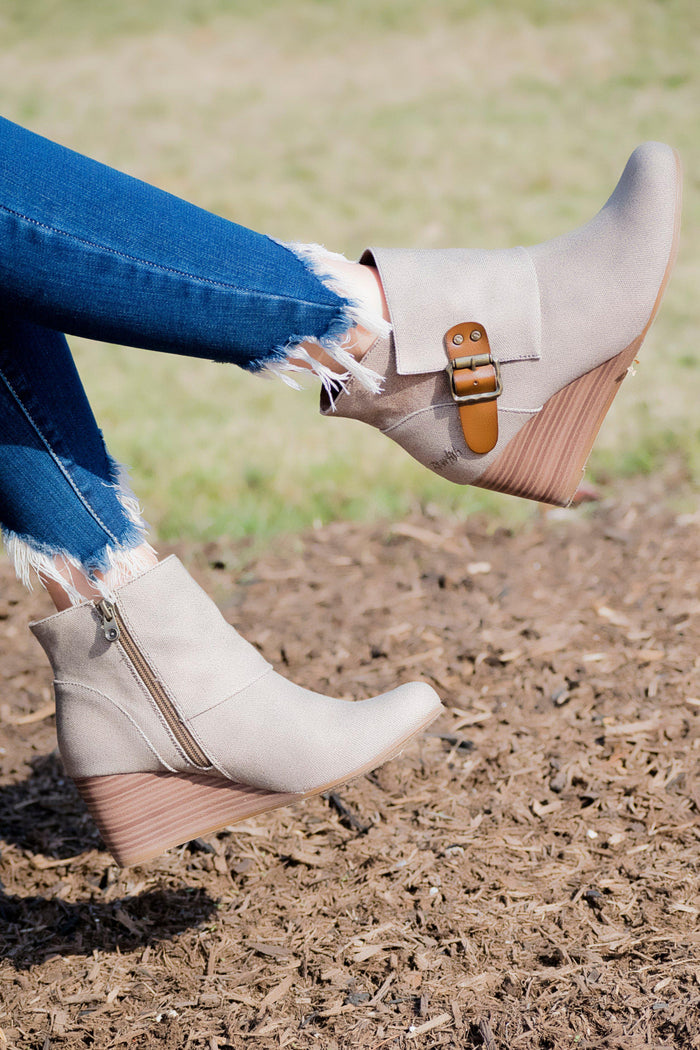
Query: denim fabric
90, 251
87, 250
54, 468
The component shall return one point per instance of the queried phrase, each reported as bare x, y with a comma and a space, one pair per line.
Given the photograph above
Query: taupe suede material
552, 312
198, 669
428, 291
290, 739
80, 655
79, 708
419, 414
255, 726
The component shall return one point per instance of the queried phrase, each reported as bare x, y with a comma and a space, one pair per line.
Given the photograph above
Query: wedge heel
140, 815
546, 460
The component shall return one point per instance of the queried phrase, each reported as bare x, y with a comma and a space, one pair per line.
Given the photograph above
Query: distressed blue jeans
89, 251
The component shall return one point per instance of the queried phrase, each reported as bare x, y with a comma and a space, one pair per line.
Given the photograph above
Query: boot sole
141, 815
546, 460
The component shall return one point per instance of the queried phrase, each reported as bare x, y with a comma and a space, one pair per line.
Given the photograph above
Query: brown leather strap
475, 383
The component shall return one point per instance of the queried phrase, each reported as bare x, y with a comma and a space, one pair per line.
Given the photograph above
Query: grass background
399, 123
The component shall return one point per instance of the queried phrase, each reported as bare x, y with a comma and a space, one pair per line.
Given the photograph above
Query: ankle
361, 284
71, 583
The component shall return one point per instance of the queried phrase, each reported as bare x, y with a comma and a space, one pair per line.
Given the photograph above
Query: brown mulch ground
525, 876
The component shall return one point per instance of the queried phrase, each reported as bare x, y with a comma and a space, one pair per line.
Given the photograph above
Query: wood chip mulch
527, 875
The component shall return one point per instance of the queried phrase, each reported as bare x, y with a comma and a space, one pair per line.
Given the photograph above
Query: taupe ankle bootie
173, 726
503, 364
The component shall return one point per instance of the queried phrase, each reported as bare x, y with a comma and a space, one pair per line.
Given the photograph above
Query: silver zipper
114, 630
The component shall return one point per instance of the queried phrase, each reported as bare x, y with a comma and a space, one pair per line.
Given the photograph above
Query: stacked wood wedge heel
140, 815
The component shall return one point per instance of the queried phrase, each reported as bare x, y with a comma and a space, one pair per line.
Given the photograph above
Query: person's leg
535, 341
86, 249
90, 251
65, 509
170, 723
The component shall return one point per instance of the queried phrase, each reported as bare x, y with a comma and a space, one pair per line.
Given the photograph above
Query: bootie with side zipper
502, 364
173, 726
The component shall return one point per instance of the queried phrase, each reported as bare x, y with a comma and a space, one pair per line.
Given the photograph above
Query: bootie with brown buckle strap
502, 364
173, 726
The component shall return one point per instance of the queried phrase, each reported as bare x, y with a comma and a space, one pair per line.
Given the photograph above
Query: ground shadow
45, 814
34, 928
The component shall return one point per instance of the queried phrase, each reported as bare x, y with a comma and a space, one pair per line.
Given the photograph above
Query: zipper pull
109, 621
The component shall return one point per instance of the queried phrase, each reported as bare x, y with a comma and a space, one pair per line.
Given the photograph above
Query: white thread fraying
317, 256
124, 562
355, 313
115, 564
63, 568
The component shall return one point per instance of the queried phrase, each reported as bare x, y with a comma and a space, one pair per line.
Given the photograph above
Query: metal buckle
477, 361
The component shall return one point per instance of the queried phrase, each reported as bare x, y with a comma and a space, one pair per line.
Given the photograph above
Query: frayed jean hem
350, 314
121, 557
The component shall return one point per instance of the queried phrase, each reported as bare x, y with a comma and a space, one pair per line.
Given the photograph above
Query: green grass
452, 123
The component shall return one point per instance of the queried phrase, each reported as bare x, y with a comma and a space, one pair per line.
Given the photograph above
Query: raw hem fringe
119, 561
336, 339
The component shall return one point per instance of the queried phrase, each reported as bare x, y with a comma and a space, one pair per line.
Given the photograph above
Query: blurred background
467, 123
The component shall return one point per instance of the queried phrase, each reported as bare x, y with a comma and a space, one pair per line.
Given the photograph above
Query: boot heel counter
97, 738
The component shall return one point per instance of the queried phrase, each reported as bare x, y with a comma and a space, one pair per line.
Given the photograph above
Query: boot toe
281, 737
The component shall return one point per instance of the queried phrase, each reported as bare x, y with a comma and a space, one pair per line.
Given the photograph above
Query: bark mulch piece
524, 876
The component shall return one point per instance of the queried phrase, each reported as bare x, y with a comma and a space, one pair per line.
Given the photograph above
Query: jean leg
90, 251
60, 491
